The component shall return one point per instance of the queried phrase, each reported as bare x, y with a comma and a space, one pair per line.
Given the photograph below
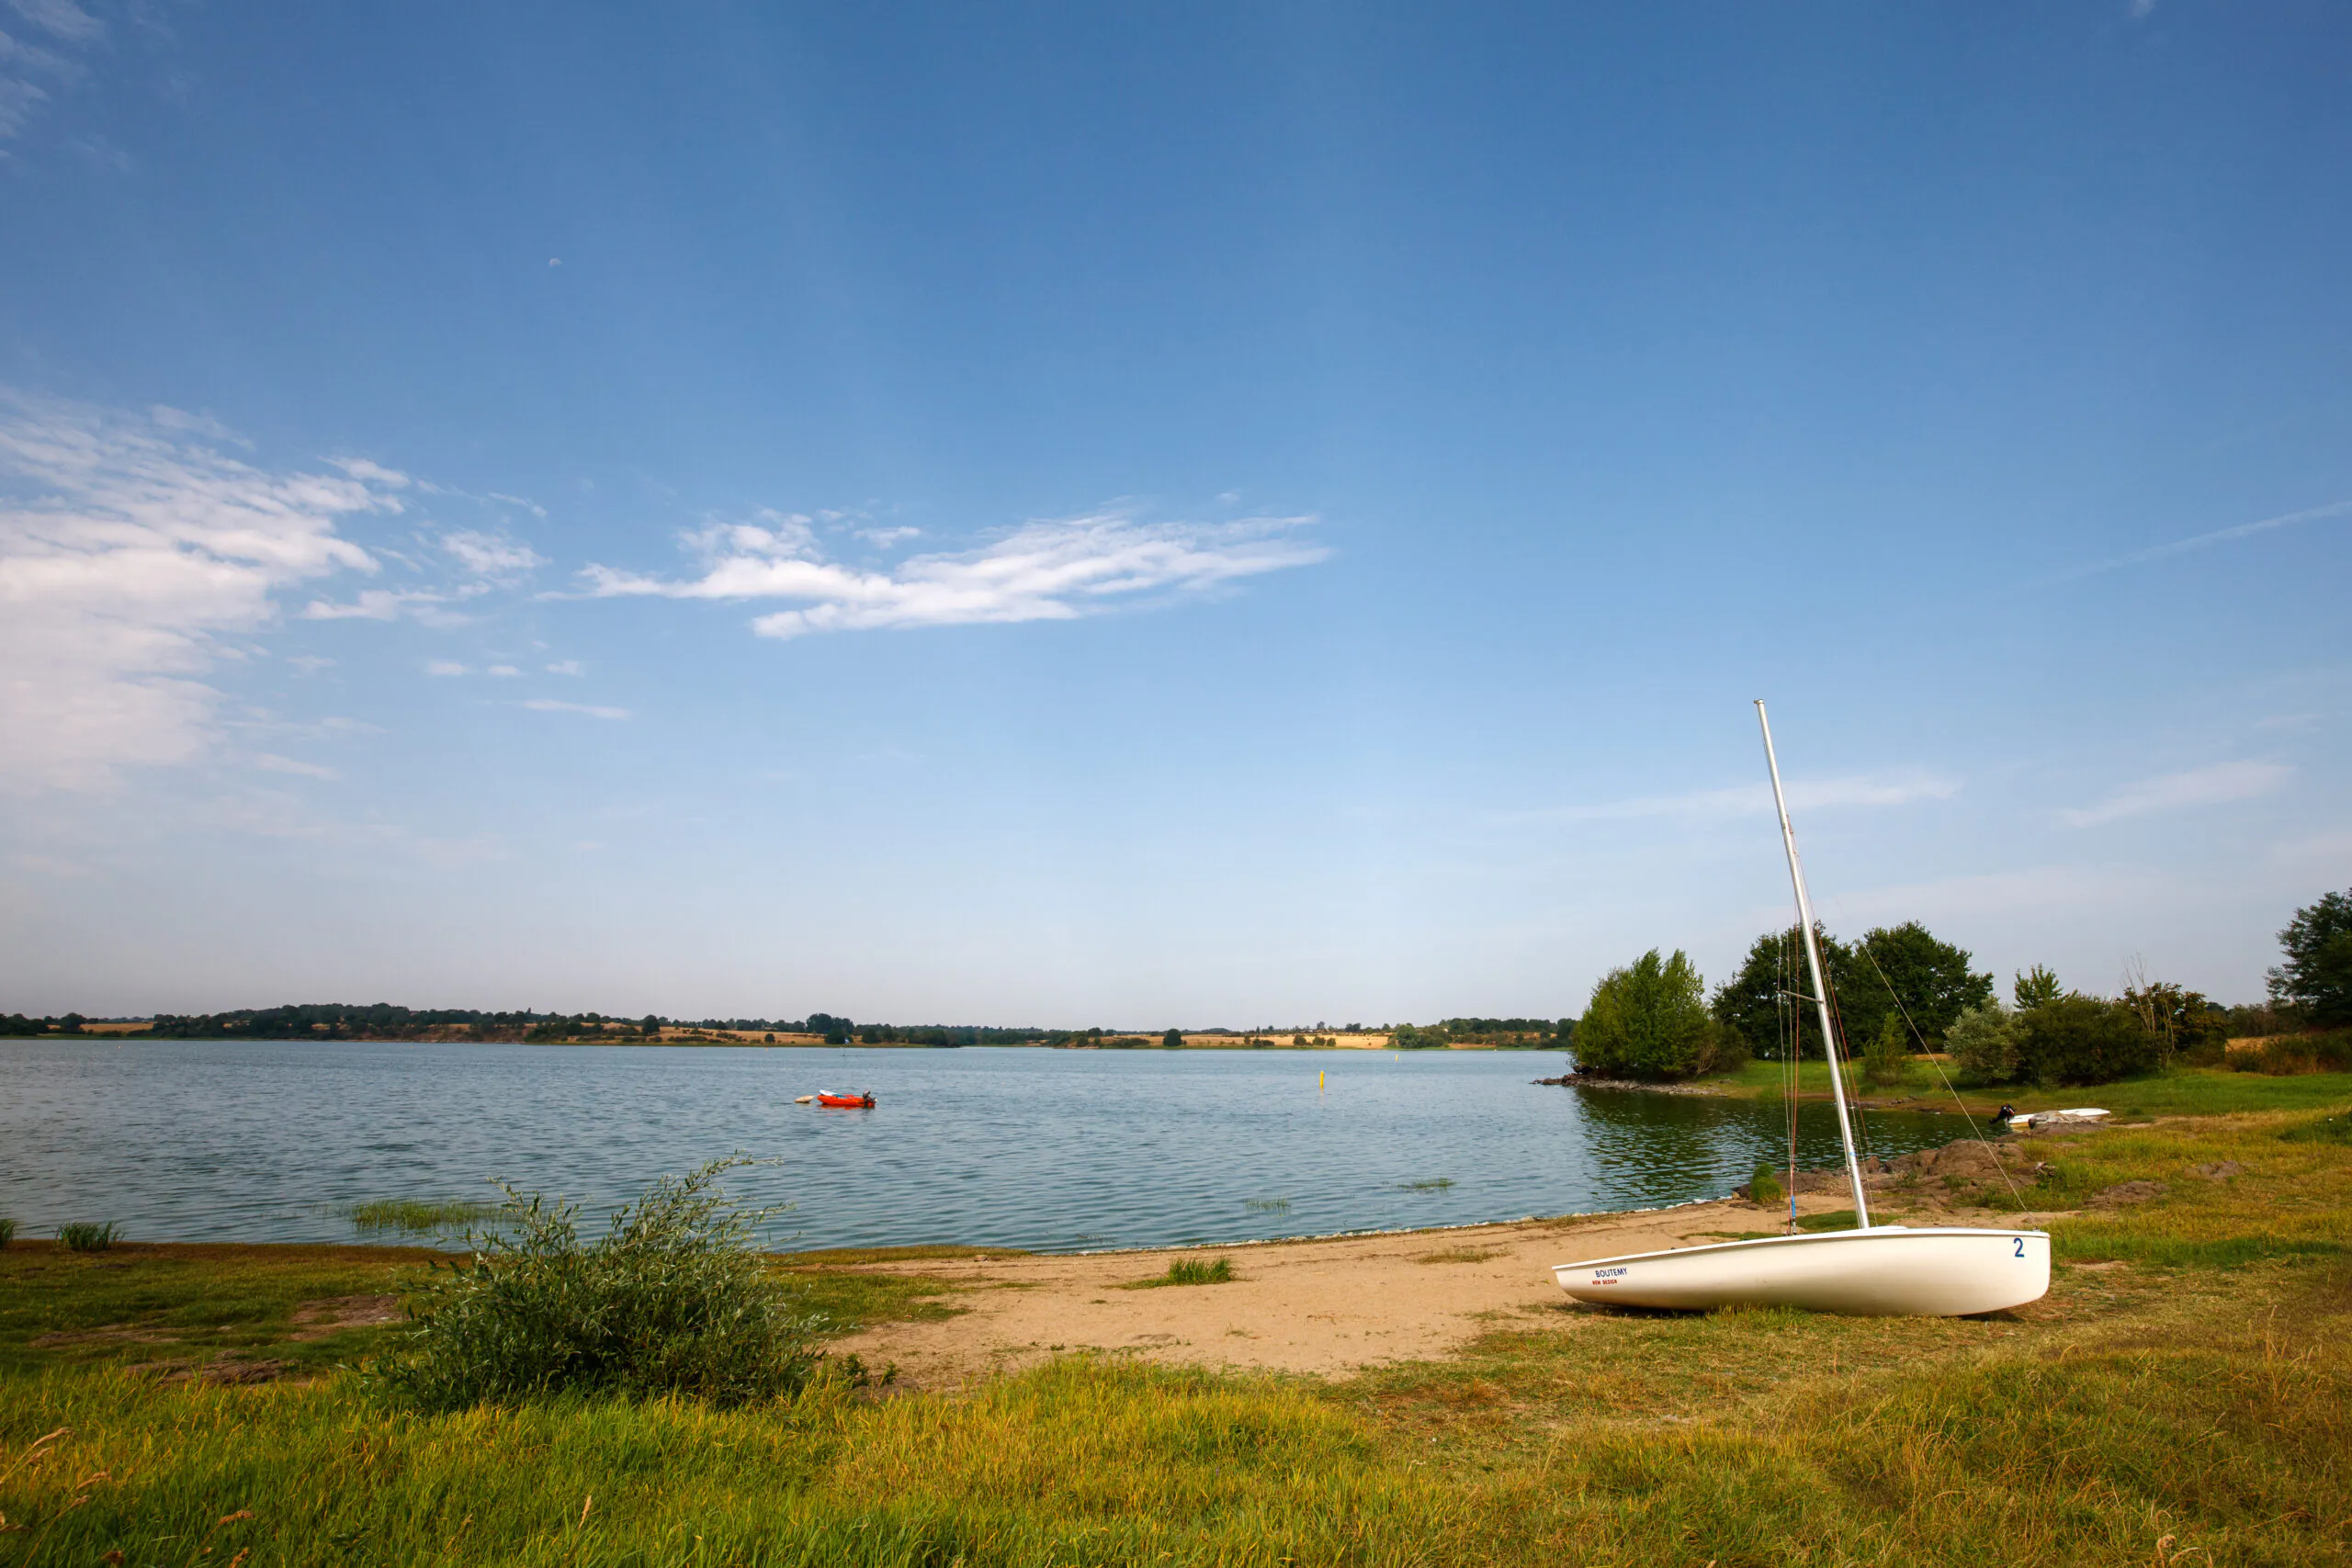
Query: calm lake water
1051, 1150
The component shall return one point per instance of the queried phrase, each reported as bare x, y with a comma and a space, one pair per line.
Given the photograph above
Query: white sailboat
1871, 1270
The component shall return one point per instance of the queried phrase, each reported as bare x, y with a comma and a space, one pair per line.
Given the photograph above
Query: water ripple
1050, 1150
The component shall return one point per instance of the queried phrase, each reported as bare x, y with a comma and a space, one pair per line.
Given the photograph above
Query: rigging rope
1992, 1153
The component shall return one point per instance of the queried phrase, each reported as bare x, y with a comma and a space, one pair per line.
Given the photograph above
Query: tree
2076, 1039
2035, 987
1907, 971
1905, 965
1983, 1044
1173, 1040
1648, 1020
2186, 1026
1748, 1004
2317, 977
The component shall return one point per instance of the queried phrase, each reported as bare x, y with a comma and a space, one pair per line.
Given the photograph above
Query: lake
1038, 1148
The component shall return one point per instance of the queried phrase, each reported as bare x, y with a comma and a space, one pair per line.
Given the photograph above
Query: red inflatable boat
847, 1102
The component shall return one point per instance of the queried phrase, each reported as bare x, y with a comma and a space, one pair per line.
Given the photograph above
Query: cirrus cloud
1047, 570
2215, 785
130, 547
1755, 799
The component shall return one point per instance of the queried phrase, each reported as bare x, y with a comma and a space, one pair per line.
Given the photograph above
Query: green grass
834, 1255
148, 1303
415, 1216
2335, 1129
2184, 1394
2186, 1091
7, 1231
1435, 1184
1188, 1271
1266, 1205
85, 1236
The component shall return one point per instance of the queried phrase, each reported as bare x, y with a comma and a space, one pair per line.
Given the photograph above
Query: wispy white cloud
1755, 800
127, 549
1056, 570
552, 705
60, 19
565, 667
25, 66
444, 667
492, 556
2215, 785
889, 538
2201, 542
270, 761
505, 671
378, 605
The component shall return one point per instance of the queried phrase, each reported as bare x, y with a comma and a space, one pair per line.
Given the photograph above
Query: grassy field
2183, 1395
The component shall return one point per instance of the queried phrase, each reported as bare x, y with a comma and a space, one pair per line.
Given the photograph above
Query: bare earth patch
332, 1315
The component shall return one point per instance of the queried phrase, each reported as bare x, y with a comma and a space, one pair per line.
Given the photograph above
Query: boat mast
1812, 964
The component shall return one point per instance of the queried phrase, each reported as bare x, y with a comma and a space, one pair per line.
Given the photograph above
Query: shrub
7, 1231
1886, 1057
2288, 1055
1984, 1044
1648, 1020
1764, 1188
89, 1237
1172, 1041
670, 1300
2082, 1040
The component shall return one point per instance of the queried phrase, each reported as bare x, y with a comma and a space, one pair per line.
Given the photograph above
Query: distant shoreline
687, 1038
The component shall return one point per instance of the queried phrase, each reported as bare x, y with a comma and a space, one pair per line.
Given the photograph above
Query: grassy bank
2186, 1091
2184, 1394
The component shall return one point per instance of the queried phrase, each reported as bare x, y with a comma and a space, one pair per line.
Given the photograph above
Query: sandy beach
1324, 1306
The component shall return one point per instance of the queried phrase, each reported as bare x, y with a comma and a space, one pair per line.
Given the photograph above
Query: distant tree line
16, 1023
1901, 990
1506, 1034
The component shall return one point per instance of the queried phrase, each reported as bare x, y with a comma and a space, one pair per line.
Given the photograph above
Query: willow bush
670, 1300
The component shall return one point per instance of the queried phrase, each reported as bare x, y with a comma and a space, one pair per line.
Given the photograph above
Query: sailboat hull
1886, 1271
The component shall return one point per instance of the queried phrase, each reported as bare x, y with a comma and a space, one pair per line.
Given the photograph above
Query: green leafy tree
1907, 971
2035, 987
1173, 1040
2077, 1039
1983, 1044
1749, 1005
1648, 1020
2316, 979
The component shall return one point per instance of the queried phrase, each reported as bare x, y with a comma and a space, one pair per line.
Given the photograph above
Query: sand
1331, 1306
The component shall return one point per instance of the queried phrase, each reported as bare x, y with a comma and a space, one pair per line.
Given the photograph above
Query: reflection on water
1053, 1150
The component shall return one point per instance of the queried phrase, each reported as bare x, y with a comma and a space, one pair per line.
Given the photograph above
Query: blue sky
1145, 516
